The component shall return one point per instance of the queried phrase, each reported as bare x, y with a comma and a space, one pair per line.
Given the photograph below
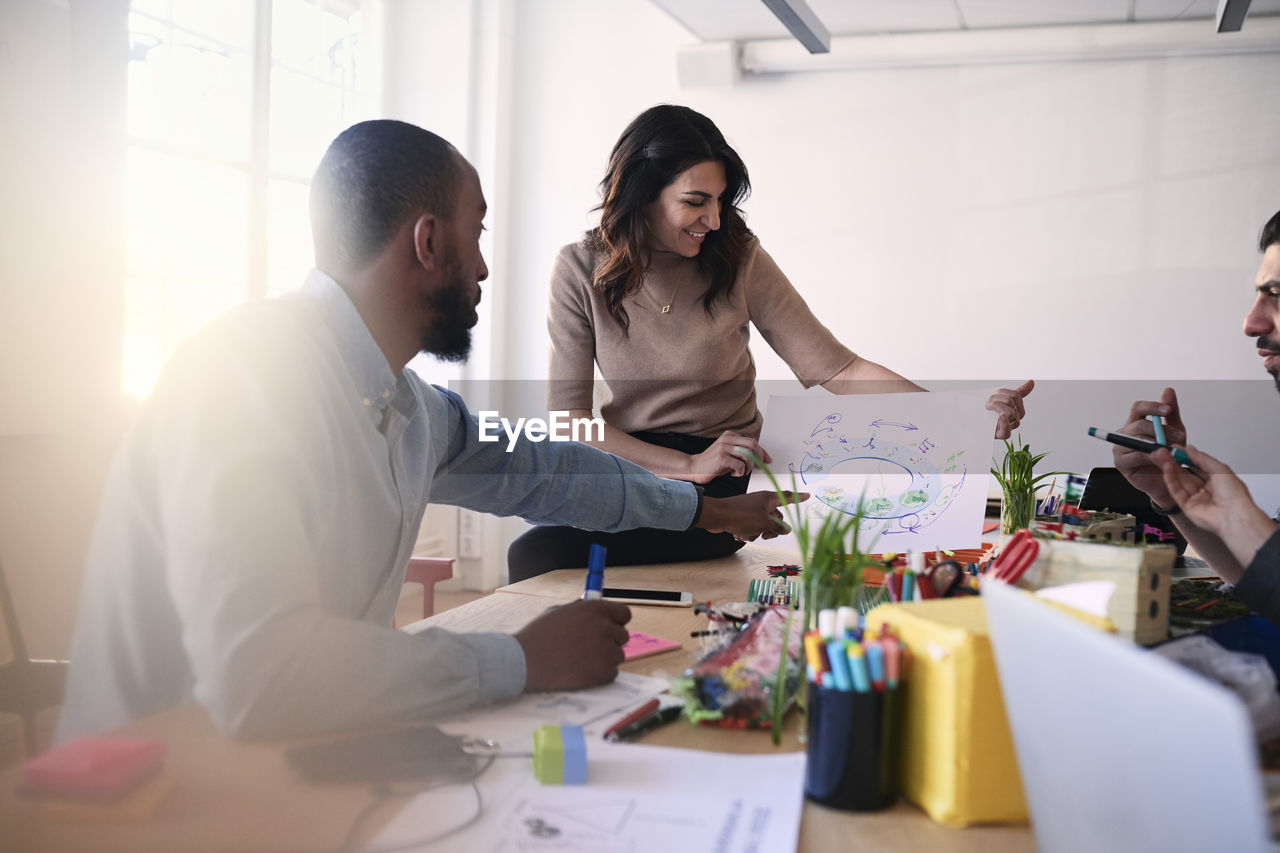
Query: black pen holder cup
852, 749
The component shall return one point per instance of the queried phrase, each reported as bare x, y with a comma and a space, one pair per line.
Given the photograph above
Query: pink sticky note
641, 645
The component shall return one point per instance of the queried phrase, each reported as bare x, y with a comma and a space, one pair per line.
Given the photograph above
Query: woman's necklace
666, 309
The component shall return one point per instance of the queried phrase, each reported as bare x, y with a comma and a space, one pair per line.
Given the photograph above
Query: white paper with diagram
637, 798
918, 463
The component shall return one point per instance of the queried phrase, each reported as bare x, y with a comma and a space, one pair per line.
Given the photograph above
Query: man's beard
1265, 343
450, 339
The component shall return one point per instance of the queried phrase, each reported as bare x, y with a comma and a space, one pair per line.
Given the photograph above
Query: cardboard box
1142, 574
958, 760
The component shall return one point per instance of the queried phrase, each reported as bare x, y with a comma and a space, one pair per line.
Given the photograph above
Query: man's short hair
374, 176
1270, 233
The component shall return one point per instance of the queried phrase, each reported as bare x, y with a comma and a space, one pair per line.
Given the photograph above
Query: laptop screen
1120, 749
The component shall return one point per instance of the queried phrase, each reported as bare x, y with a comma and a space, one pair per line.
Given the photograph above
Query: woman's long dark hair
656, 147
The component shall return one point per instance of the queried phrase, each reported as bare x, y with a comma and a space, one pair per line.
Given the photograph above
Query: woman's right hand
725, 457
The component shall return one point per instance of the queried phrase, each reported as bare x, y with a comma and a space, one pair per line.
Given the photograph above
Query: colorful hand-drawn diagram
917, 463
909, 480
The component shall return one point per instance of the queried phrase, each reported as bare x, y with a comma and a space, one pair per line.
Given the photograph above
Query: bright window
222, 141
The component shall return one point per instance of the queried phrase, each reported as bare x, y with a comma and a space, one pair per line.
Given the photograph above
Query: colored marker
892, 660
838, 656
638, 714
816, 655
1157, 423
659, 717
827, 625
595, 573
858, 668
1179, 455
915, 569
846, 621
875, 665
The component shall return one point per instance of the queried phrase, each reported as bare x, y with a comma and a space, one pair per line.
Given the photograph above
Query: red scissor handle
1016, 557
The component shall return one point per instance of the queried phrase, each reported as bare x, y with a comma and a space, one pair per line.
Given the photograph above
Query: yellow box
958, 760
1139, 608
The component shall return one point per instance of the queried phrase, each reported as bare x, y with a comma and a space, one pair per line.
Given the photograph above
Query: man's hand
1007, 403
747, 516
726, 457
1215, 499
574, 645
1139, 468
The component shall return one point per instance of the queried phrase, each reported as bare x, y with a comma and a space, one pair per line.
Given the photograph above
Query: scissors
942, 580
1015, 558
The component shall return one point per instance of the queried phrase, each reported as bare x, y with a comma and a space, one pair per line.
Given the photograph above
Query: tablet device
667, 597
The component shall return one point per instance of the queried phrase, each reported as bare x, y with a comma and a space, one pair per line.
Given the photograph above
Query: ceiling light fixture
797, 17
1231, 15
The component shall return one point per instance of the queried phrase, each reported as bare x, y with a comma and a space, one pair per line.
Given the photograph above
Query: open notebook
1120, 749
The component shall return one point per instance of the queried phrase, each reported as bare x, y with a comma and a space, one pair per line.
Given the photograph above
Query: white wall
1074, 222
62, 89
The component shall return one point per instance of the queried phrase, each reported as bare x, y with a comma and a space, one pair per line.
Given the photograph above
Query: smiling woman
661, 296
687, 210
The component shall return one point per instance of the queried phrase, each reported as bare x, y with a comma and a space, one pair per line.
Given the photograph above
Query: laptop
1107, 489
1119, 749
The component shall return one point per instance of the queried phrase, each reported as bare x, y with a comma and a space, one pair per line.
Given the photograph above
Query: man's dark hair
374, 176
1270, 233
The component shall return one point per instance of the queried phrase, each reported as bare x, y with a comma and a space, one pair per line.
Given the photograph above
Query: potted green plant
831, 564
1018, 483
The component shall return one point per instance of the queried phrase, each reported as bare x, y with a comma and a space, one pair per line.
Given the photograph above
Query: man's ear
427, 237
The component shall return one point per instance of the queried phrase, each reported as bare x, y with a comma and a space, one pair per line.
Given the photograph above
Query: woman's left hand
1007, 403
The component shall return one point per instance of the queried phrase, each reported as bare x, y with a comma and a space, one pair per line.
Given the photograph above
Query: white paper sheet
1092, 597
918, 462
512, 724
636, 798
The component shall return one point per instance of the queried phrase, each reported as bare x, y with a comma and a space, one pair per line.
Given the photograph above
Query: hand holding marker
1141, 445
595, 574
649, 715
1157, 423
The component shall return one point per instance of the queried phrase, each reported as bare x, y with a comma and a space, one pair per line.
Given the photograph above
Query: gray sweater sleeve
1260, 586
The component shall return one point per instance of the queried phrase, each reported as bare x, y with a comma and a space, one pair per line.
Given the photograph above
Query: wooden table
238, 795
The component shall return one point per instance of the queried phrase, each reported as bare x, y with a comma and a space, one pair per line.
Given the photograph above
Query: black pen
660, 717
1142, 446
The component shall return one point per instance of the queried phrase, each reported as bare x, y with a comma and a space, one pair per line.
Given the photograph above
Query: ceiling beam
797, 17
1231, 15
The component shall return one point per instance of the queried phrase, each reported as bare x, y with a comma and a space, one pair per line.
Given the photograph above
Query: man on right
1208, 502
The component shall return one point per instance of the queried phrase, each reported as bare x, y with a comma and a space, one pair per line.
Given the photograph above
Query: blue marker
595, 573
908, 585
1158, 424
839, 665
875, 663
858, 668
